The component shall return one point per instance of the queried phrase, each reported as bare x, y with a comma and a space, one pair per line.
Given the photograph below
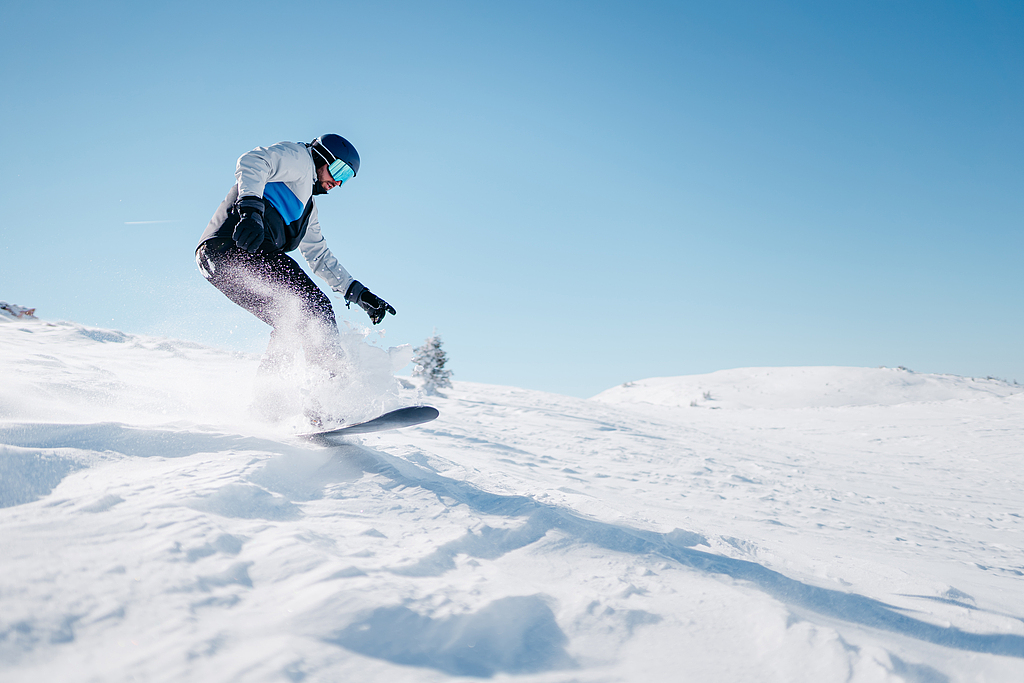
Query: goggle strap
320, 148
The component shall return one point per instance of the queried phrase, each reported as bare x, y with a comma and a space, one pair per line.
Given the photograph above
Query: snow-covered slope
150, 529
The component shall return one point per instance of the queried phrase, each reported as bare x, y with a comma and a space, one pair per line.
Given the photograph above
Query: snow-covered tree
430, 359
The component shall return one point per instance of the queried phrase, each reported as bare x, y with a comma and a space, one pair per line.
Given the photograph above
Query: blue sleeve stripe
284, 200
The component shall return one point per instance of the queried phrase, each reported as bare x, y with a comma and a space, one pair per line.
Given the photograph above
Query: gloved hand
374, 306
248, 232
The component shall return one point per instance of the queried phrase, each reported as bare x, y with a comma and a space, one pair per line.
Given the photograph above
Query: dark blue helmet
327, 148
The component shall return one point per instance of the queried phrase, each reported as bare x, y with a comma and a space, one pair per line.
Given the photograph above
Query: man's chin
318, 188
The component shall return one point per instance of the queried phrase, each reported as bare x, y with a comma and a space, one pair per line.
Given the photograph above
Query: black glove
248, 232
374, 306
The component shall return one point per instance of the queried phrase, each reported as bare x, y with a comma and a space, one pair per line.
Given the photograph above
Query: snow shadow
30, 469
132, 441
516, 635
678, 545
27, 475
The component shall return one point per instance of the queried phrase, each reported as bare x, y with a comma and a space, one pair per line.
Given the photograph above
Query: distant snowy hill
812, 387
826, 524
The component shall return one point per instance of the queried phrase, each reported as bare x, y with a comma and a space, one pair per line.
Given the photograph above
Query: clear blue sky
574, 194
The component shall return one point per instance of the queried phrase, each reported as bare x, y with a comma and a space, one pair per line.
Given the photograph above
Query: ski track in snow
151, 530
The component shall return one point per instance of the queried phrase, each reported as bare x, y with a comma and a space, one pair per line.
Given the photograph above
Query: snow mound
75, 373
804, 387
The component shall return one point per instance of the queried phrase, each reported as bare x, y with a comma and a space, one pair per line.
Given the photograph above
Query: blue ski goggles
340, 171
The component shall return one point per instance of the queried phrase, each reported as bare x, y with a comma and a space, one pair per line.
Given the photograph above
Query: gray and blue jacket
283, 175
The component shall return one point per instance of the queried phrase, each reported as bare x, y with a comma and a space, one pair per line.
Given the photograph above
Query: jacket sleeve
280, 163
320, 259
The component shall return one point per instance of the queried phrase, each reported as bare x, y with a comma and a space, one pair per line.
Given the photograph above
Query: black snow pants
274, 288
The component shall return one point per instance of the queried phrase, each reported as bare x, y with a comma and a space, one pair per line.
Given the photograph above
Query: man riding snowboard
270, 211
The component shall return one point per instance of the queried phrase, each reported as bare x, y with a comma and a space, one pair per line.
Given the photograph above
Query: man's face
325, 178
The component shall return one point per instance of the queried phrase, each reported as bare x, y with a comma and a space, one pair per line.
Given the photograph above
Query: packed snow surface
773, 524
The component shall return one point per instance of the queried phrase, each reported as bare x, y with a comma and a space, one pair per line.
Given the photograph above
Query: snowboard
396, 419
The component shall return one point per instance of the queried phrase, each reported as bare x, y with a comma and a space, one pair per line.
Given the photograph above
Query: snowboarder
268, 212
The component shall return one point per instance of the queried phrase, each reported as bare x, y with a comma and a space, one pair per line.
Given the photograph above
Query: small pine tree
430, 359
